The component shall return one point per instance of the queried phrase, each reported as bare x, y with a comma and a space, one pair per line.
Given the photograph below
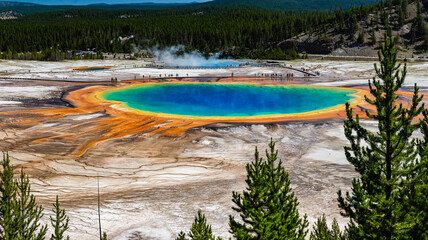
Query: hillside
292, 5
359, 37
17, 4
28, 9
298, 5
10, 15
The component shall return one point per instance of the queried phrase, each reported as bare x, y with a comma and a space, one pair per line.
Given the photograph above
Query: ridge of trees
236, 31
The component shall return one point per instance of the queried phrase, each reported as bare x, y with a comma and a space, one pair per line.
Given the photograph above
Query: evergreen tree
200, 230
181, 236
373, 37
404, 5
420, 23
401, 17
321, 230
375, 204
19, 213
354, 24
8, 189
360, 38
425, 45
59, 222
28, 212
268, 208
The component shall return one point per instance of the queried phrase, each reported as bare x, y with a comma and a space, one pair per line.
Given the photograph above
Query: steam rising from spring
175, 56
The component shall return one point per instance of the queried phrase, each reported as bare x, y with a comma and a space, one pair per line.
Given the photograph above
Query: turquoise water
221, 63
227, 100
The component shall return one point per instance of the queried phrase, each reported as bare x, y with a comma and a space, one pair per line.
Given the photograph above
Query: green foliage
383, 159
28, 213
294, 5
268, 208
266, 4
237, 31
419, 28
59, 222
19, 213
200, 230
360, 39
215, 29
104, 236
414, 223
8, 189
425, 45
354, 24
404, 5
181, 236
401, 17
373, 39
321, 230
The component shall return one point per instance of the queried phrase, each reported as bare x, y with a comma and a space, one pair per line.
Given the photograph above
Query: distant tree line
237, 31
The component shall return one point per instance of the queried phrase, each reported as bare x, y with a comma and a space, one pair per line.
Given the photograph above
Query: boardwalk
77, 79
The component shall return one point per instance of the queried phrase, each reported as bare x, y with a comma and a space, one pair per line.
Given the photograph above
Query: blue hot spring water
221, 63
228, 100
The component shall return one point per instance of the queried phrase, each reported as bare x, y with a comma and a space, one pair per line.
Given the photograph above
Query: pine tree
19, 214
200, 230
336, 233
360, 38
181, 236
268, 208
8, 189
373, 37
28, 212
375, 206
59, 222
401, 17
425, 45
321, 230
404, 5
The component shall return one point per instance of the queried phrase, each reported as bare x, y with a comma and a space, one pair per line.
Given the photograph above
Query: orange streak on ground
42, 140
89, 68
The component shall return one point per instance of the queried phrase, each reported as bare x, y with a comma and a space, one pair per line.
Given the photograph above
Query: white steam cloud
175, 56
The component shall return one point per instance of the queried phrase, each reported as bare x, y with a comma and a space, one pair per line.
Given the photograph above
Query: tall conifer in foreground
321, 231
19, 212
200, 230
375, 205
28, 213
8, 189
268, 208
59, 222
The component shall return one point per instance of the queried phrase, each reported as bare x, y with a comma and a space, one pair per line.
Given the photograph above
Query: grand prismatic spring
228, 100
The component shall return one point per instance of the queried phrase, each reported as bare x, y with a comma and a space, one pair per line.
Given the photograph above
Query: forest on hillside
237, 31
